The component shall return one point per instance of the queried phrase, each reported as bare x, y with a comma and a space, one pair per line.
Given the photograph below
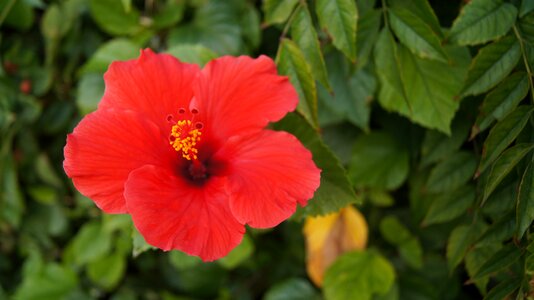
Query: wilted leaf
330, 236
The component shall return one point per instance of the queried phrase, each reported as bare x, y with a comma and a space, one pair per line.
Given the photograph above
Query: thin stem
385, 12
6, 11
525, 61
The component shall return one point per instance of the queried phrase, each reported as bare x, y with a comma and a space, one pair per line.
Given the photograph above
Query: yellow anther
184, 139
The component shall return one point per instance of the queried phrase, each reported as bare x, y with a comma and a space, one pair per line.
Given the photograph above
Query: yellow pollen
185, 139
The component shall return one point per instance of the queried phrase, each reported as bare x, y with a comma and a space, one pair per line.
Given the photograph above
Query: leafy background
419, 113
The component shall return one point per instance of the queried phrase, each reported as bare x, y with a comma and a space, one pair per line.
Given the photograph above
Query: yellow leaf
327, 237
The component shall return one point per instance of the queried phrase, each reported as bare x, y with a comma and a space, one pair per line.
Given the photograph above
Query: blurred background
405, 217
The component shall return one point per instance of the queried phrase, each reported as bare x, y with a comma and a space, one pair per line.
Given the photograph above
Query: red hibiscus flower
185, 152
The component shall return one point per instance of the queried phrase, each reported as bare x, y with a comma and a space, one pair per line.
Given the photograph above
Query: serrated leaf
448, 206
459, 241
335, 191
500, 260
525, 201
291, 62
339, 18
437, 146
358, 276
452, 172
215, 25
415, 34
475, 258
378, 161
193, 54
366, 35
504, 164
352, 91
498, 232
277, 11
501, 101
503, 289
115, 49
503, 134
427, 92
491, 65
481, 21
111, 17
304, 35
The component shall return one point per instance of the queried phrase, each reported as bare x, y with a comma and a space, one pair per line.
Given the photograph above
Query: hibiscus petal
270, 172
154, 84
172, 213
105, 147
236, 95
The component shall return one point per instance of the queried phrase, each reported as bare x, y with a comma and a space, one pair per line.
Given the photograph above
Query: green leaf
182, 261
503, 289
293, 288
526, 7
277, 11
291, 62
352, 92
111, 17
393, 231
169, 14
358, 275
475, 258
215, 25
90, 244
504, 164
501, 101
448, 206
43, 194
107, 271
367, 33
335, 191
525, 201
304, 34
115, 49
459, 241
20, 16
412, 252
491, 65
194, 54
452, 172
422, 10
427, 91
90, 91
139, 243
11, 198
499, 231
500, 260
415, 34
378, 161
503, 134
481, 21
250, 24
238, 255
49, 283
437, 146
339, 18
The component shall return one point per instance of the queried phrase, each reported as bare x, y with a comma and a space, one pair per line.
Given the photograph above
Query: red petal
105, 147
270, 172
174, 214
240, 94
154, 84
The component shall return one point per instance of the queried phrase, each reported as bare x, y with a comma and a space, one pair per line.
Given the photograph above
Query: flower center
185, 135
